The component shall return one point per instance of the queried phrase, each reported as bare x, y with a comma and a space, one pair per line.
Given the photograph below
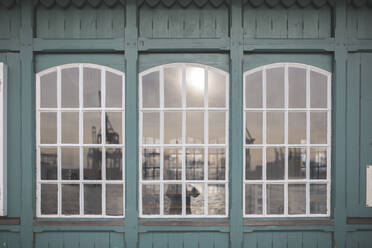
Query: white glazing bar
103, 138
264, 132
161, 81
286, 100
81, 132
308, 140
206, 140
184, 140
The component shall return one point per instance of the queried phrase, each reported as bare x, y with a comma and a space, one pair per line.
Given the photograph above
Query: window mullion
81, 131
308, 140
286, 100
183, 140
264, 132
59, 160
161, 87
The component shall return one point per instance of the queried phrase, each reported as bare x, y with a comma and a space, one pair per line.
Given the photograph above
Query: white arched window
80, 141
183, 141
287, 141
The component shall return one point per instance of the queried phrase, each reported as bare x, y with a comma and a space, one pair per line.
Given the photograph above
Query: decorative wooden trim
10, 221
359, 221
184, 223
77, 223
287, 222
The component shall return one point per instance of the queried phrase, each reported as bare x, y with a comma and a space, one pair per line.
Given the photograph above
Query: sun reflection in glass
196, 79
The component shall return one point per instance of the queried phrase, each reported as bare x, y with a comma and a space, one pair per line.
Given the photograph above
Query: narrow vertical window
287, 141
183, 141
80, 141
3, 139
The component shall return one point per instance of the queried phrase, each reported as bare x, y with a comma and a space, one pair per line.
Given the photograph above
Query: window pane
70, 127
151, 164
70, 158
92, 128
195, 86
173, 199
70, 88
114, 199
253, 90
296, 198
150, 199
92, 163
275, 128
172, 87
173, 127
48, 128
297, 87
253, 199
92, 88
114, 164
93, 199
216, 163
70, 199
151, 128
195, 127
114, 127
150, 90
216, 89
216, 199
217, 127
194, 164
318, 128
195, 199
49, 198
318, 163
172, 164
114, 90
318, 90
48, 163
275, 199
48, 90
318, 198
253, 128
297, 128
253, 164
275, 158
296, 163
275, 87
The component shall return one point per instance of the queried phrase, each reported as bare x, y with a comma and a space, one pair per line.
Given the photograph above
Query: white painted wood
369, 186
3, 139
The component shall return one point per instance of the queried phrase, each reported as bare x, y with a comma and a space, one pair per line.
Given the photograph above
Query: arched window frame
3, 140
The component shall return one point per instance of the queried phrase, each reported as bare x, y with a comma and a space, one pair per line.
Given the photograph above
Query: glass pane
48, 128
92, 199
275, 160
253, 164
70, 88
318, 128
92, 128
70, 158
114, 128
216, 199
172, 164
297, 87
194, 164
92, 163
318, 198
195, 127
114, 164
217, 127
151, 164
275, 88
296, 163
151, 128
48, 90
48, 163
296, 198
318, 163
114, 90
253, 90
92, 88
318, 90
173, 87
253, 199
195, 199
114, 199
216, 90
150, 199
173, 127
70, 127
297, 128
253, 128
195, 86
275, 199
49, 198
150, 90
173, 199
216, 163
275, 128
70, 199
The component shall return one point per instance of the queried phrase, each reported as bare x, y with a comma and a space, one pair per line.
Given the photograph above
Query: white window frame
81, 109
184, 109
286, 109
3, 139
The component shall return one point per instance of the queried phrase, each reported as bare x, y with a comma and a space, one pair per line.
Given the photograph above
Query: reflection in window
183, 141
80, 119
287, 111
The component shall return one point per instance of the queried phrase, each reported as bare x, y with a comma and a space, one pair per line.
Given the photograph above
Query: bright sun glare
196, 78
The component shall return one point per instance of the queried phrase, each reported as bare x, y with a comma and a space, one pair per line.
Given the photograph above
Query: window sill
184, 223
39, 222
10, 221
325, 222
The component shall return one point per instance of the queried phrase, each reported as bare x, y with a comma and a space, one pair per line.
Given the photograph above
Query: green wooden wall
232, 35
